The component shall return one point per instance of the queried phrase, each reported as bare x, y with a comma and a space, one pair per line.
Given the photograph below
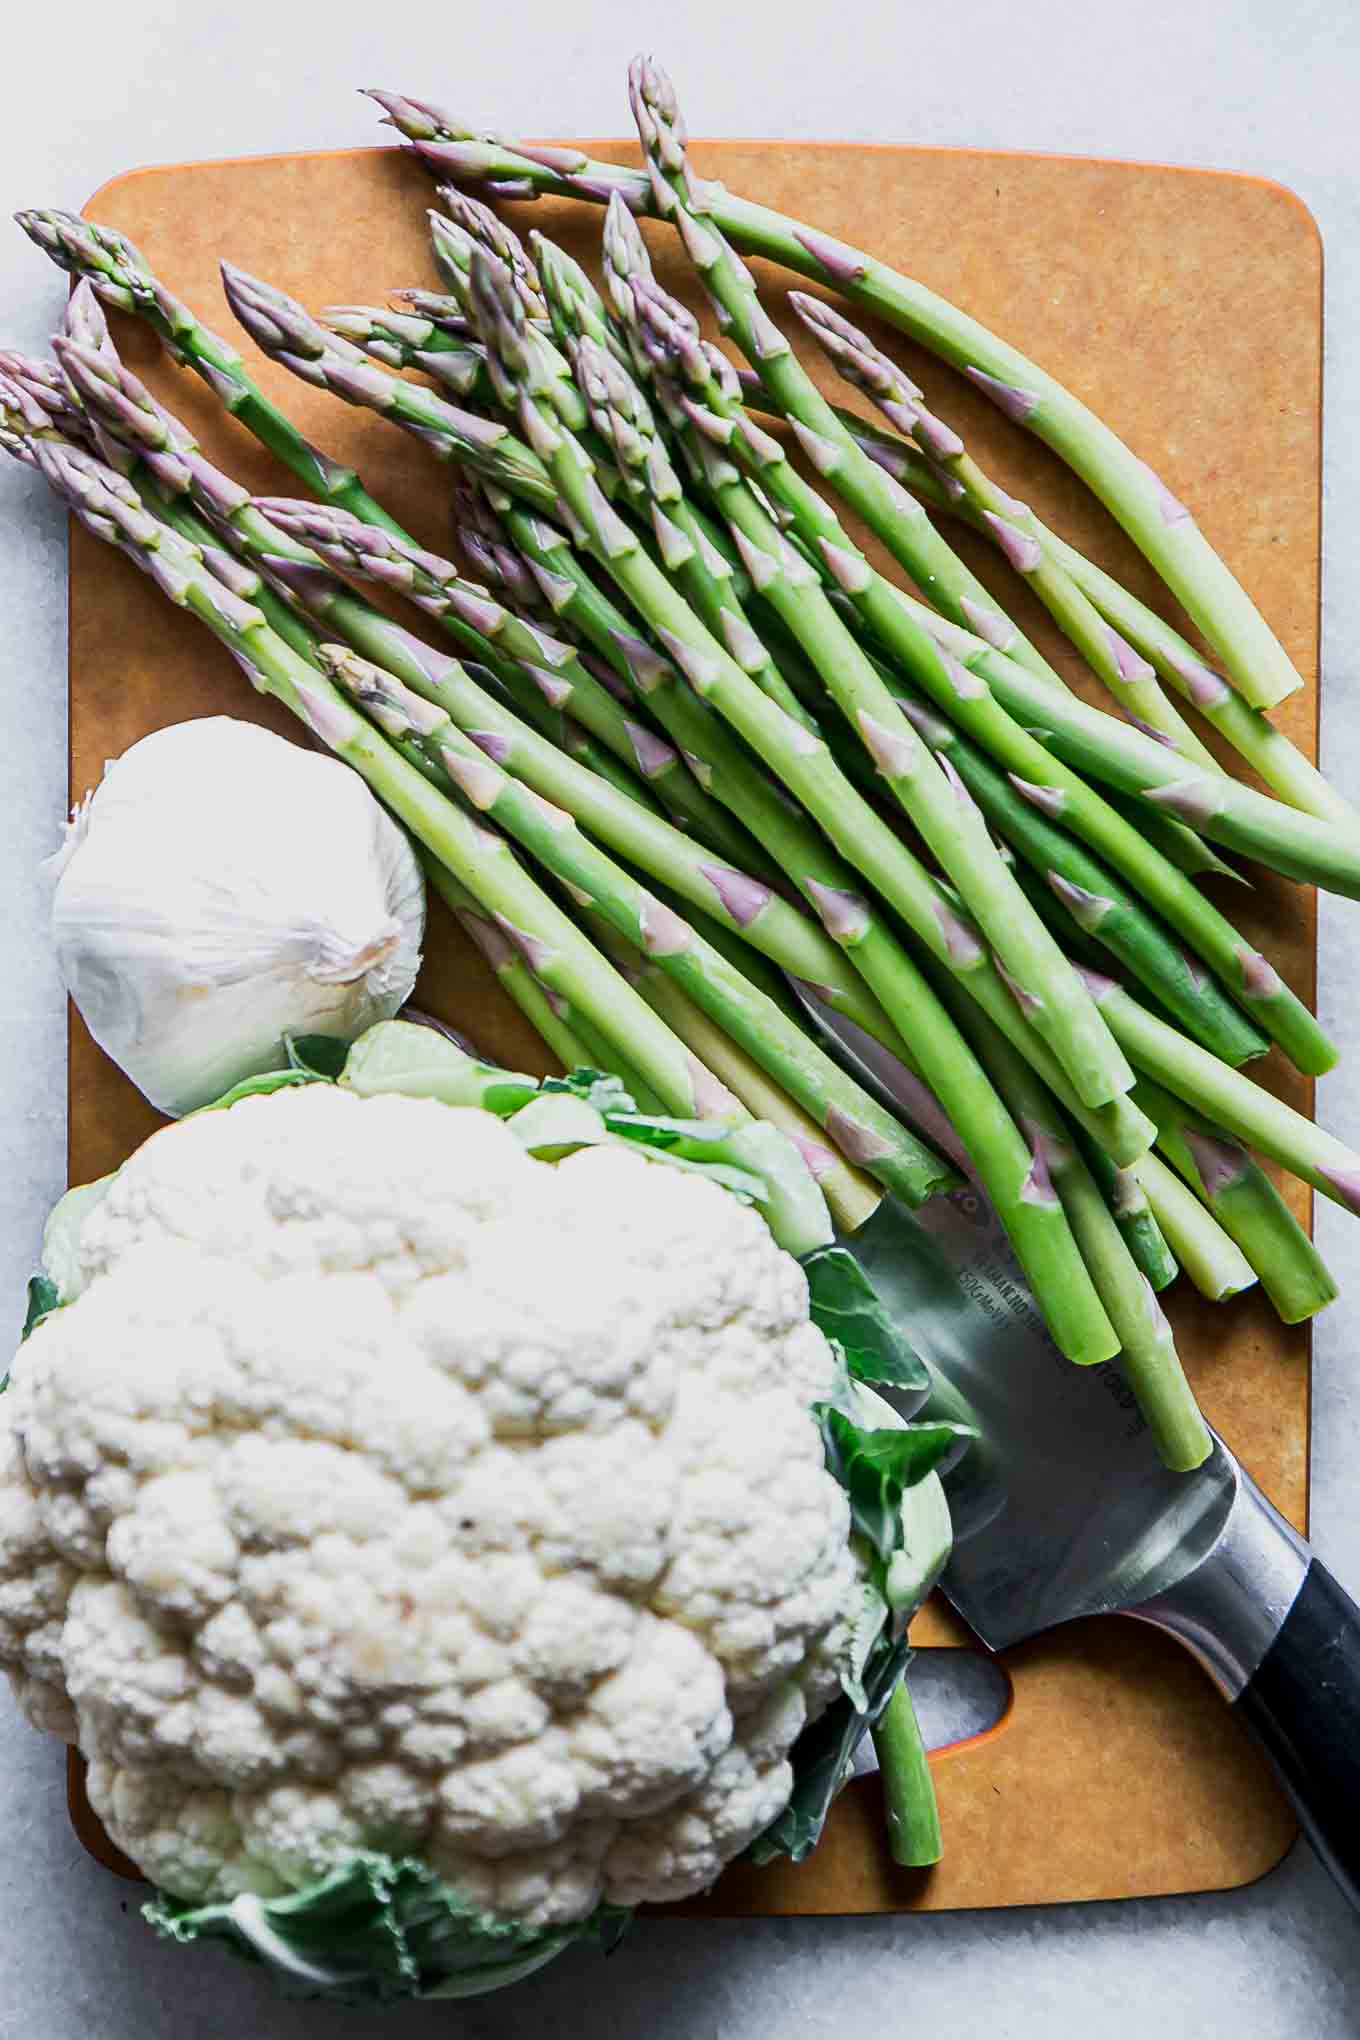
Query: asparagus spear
282, 325
556, 1023
112, 509
954, 684
861, 1129
1176, 661
283, 330
802, 763
468, 224
1095, 899
1010, 524
287, 332
1176, 841
1217, 1267
895, 519
122, 278
948, 822
1159, 525
1246, 1204
403, 340
1132, 1212
1217, 806
1148, 1354
851, 1196
477, 623
1034, 774
742, 903
623, 420
1227, 1099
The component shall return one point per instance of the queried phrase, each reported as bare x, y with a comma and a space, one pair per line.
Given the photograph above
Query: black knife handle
1303, 1703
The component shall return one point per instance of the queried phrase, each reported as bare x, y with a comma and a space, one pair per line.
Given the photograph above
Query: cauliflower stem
378, 1930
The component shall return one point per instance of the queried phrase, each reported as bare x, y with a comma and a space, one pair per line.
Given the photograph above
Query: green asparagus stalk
1246, 1204
576, 1042
515, 651
862, 1131
622, 419
1011, 526
555, 1024
967, 679
937, 917
1217, 1268
852, 1197
1159, 525
1148, 1356
1176, 841
112, 509
270, 314
287, 332
1128, 759
1096, 901
802, 763
1227, 1099
946, 819
1133, 1214
1280, 763
122, 279
734, 898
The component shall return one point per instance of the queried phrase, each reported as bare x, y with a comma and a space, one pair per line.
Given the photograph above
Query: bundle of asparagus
695, 774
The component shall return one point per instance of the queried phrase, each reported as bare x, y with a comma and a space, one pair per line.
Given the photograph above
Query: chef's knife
1063, 1509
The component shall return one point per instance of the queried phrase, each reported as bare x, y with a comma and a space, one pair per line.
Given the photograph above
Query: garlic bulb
223, 888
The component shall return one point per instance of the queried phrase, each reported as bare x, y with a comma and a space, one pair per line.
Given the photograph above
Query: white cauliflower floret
385, 1488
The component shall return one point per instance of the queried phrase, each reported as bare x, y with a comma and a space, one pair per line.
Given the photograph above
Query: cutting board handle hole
960, 1696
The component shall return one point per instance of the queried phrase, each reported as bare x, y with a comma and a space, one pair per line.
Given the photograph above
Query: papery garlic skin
223, 888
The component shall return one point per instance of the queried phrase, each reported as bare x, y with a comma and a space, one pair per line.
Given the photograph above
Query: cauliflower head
384, 1488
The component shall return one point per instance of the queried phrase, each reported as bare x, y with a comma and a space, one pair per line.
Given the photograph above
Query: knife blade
1063, 1509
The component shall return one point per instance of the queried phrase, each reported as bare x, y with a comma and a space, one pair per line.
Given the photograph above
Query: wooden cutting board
1186, 308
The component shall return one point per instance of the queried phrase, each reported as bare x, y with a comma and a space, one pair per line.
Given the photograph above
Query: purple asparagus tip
1025, 999
663, 932
1050, 800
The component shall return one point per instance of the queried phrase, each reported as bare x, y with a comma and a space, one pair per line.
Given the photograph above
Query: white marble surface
1242, 84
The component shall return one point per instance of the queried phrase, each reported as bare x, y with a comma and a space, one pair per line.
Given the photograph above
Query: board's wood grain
1186, 308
